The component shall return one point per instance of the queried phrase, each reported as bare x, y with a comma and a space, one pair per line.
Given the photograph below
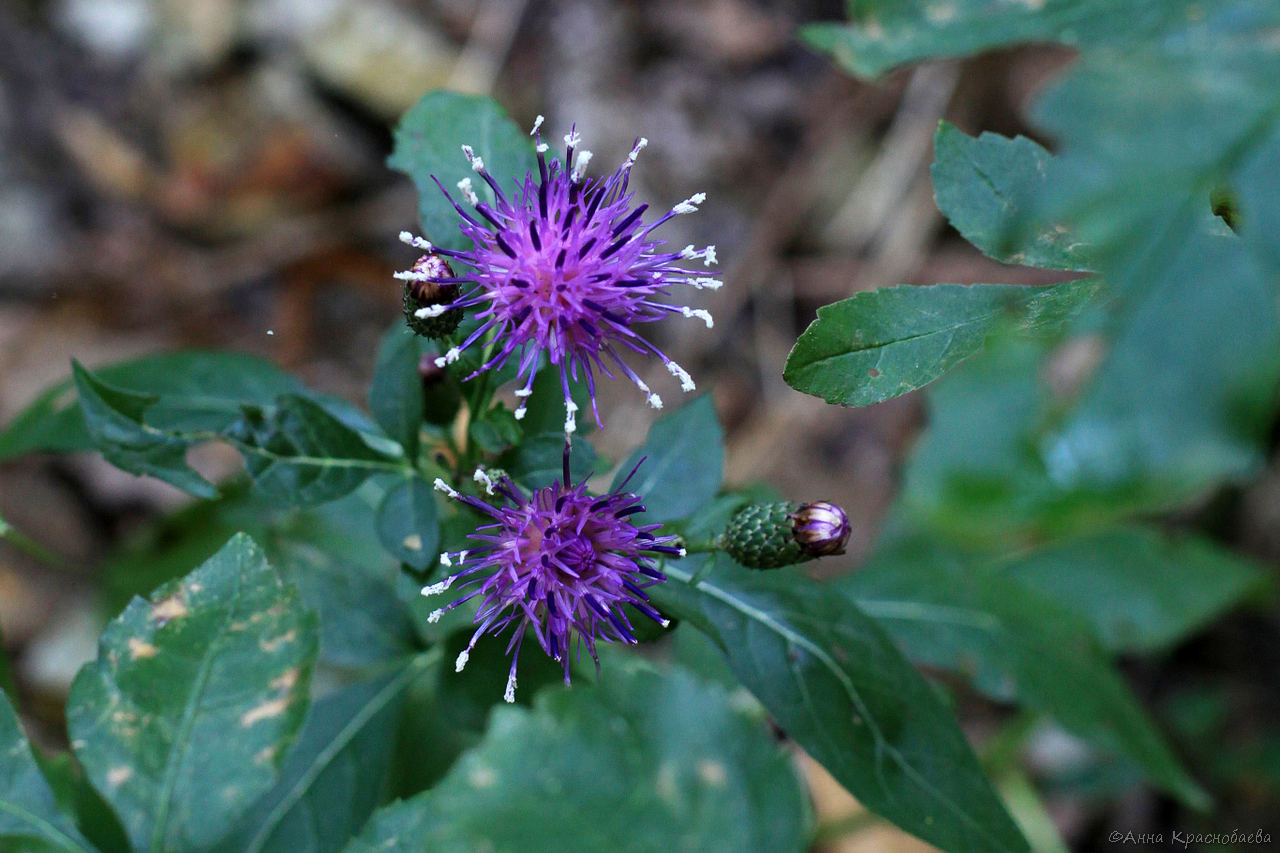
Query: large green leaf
643, 761
114, 418
839, 687
29, 814
883, 34
408, 522
984, 184
1015, 645
299, 453
683, 462
395, 393
334, 776
183, 720
883, 343
429, 140
540, 459
197, 391
1139, 589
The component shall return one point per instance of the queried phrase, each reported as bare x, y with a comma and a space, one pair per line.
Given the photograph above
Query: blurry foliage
276, 697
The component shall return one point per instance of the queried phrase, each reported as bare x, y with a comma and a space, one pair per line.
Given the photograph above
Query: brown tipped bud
767, 536
429, 293
821, 529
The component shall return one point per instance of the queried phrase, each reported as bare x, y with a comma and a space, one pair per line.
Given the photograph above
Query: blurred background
210, 173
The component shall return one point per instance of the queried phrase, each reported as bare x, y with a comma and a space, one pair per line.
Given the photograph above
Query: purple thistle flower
566, 266
559, 562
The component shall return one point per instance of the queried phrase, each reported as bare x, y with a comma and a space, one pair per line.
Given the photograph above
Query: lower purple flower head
558, 562
565, 266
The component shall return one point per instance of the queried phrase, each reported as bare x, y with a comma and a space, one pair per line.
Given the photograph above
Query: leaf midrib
882, 744
55, 834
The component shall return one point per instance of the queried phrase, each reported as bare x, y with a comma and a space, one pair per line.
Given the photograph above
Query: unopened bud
427, 293
768, 536
441, 395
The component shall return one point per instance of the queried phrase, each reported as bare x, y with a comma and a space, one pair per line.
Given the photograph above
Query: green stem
29, 546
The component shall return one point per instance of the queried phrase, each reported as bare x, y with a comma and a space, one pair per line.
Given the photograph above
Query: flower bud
427, 293
768, 536
441, 396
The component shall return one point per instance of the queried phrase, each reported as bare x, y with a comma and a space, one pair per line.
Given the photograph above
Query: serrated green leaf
301, 454
643, 761
840, 688
1140, 590
114, 419
197, 390
334, 776
1014, 645
985, 184
183, 720
29, 813
540, 459
408, 523
683, 462
428, 141
883, 343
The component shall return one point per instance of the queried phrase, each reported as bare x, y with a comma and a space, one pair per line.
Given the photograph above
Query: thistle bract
565, 266
558, 564
772, 535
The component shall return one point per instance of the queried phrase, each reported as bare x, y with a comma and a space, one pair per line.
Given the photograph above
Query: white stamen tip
701, 313
437, 588
481, 477
701, 282
441, 362
688, 252
690, 204
665, 623
635, 153
449, 357
537, 123
523, 392
464, 186
542, 147
584, 157
415, 242
442, 486
683, 552
654, 401
686, 381
520, 412
462, 660
434, 616
430, 311
572, 139
510, 694
710, 254
446, 560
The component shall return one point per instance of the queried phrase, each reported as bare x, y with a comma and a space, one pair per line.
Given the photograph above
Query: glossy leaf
642, 761
408, 522
1015, 646
984, 185
333, 778
883, 343
29, 813
840, 688
683, 462
428, 141
1139, 589
301, 454
200, 689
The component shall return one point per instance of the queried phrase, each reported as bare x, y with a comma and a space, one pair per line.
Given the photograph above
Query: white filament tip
654, 401
690, 204
710, 254
430, 311
701, 313
481, 477
435, 615
572, 139
462, 660
510, 694
464, 186
437, 588
442, 486
537, 123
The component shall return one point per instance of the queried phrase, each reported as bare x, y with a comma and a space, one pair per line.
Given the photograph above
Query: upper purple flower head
560, 563
566, 266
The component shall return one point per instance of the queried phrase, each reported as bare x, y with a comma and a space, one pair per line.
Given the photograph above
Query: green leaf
114, 419
77, 796
1014, 645
428, 141
683, 462
984, 184
395, 393
545, 406
197, 391
883, 343
408, 524
1140, 590
839, 687
334, 776
644, 761
183, 720
301, 454
887, 33
29, 812
540, 459
496, 429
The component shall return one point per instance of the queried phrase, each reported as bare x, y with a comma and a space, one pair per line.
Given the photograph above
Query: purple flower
559, 562
566, 266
